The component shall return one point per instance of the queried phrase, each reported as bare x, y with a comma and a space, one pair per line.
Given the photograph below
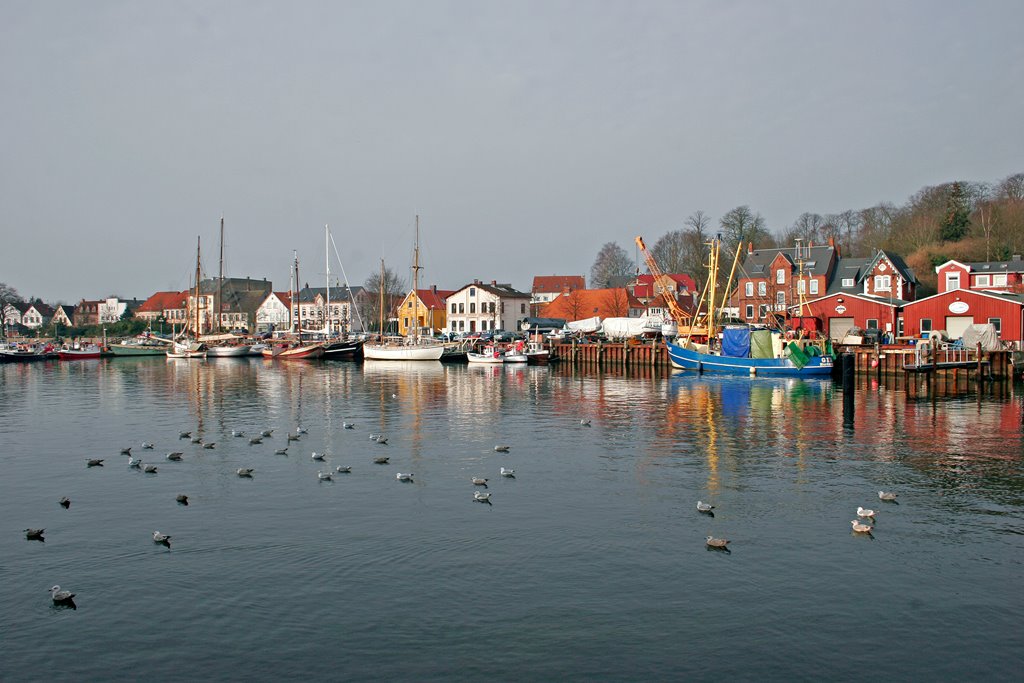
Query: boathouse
843, 311
954, 310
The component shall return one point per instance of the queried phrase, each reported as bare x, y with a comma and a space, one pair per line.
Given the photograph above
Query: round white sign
959, 307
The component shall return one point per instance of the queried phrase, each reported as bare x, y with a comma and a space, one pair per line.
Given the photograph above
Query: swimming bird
34, 534
482, 497
402, 476
126, 451
147, 446
244, 472
301, 430
381, 460
508, 472
479, 481
197, 439
210, 445
860, 527
394, 395
584, 423
704, 507
255, 440
325, 476
181, 498
184, 435
887, 495
281, 451
94, 462
374, 437
237, 432
713, 542
135, 462
162, 539
64, 502
344, 469
502, 449
348, 425
267, 432
151, 469
319, 456
383, 440
294, 437
861, 512
176, 456
60, 597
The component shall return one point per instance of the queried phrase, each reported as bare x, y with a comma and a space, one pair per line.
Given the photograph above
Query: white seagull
237, 432
348, 425
508, 472
324, 476
585, 423
162, 539
713, 542
281, 451
135, 462
887, 495
861, 512
61, 597
482, 496
479, 481
402, 476
860, 527
244, 472
382, 460
704, 507
344, 469
319, 456
502, 449
151, 469
147, 446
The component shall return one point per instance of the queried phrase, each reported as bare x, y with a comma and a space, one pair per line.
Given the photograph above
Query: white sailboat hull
385, 352
228, 351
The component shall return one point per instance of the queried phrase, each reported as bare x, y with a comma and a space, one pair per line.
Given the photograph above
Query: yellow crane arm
675, 310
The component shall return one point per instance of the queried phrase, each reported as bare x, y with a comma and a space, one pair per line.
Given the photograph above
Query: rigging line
351, 297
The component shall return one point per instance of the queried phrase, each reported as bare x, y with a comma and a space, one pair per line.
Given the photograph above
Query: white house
273, 313
480, 307
111, 309
36, 315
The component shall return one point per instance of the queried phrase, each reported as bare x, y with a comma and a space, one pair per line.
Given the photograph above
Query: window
999, 280
780, 298
997, 323
462, 308
453, 309
872, 323
926, 325
749, 290
472, 291
762, 288
952, 281
405, 323
762, 310
462, 324
801, 286
883, 283
492, 307
410, 304
983, 281
750, 311
814, 286
847, 282
780, 276
472, 307
502, 307
483, 326
522, 308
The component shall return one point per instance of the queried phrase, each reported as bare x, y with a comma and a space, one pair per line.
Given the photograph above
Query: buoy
874, 362
753, 371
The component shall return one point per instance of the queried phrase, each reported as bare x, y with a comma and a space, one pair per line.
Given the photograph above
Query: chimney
433, 289
494, 283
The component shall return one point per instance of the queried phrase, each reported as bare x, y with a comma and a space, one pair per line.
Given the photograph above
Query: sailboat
192, 349
222, 345
336, 347
294, 348
411, 347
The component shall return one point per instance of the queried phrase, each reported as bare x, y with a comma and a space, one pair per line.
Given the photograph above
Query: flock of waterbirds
863, 525
63, 598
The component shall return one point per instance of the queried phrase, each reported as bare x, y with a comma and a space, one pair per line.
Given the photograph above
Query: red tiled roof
434, 299
285, 297
586, 303
162, 301
645, 283
552, 284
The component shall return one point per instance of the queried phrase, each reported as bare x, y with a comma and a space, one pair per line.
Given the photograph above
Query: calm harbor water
589, 565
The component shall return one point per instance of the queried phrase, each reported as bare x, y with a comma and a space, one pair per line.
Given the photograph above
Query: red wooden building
842, 311
954, 310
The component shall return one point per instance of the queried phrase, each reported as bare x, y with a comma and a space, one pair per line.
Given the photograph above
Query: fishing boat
194, 350
738, 349
79, 352
143, 345
489, 355
411, 347
294, 351
26, 353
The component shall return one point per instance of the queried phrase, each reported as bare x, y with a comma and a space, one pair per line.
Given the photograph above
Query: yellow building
423, 308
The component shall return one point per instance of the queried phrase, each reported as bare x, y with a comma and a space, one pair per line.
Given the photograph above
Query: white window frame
998, 322
999, 280
780, 276
952, 278
814, 286
750, 311
848, 282
780, 298
801, 286
871, 323
926, 324
762, 288
983, 280
883, 283
749, 289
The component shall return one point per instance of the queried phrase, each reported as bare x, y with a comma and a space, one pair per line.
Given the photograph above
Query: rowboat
79, 352
296, 351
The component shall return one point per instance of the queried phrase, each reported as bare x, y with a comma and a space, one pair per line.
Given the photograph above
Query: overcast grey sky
525, 134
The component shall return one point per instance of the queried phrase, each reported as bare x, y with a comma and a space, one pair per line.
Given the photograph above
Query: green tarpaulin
761, 344
799, 358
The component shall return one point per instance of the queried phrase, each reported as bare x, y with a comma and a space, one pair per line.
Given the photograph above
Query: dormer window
780, 276
847, 282
952, 281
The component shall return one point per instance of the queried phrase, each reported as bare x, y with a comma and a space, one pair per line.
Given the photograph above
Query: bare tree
1012, 188
616, 303
698, 233
8, 297
742, 226
574, 304
612, 262
671, 250
393, 286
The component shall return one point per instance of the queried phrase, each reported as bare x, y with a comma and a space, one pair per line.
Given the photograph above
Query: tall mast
198, 275
295, 299
327, 261
415, 283
219, 305
380, 286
